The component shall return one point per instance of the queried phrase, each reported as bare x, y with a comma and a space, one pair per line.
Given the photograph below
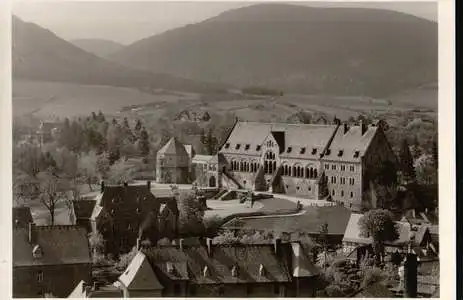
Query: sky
126, 22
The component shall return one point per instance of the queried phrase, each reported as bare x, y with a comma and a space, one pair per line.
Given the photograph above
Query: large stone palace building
307, 160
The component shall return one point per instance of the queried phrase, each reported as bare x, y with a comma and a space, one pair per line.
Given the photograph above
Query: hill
99, 47
38, 54
337, 51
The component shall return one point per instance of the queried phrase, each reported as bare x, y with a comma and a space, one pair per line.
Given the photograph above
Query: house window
258, 148
238, 146
333, 179
327, 166
356, 154
39, 276
227, 145
333, 193
310, 188
343, 167
247, 147
302, 150
333, 167
340, 153
289, 149
352, 169
342, 193
351, 181
314, 151
351, 195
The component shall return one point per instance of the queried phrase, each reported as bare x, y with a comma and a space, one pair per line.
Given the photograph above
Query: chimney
346, 128
363, 126
32, 233
148, 184
410, 276
102, 186
209, 246
277, 246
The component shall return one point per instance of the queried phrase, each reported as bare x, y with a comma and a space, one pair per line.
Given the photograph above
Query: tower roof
175, 147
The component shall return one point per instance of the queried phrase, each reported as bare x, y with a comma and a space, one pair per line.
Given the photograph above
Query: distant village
273, 210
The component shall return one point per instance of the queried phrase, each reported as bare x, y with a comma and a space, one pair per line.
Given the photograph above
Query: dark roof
336, 217
123, 194
174, 147
189, 264
83, 208
60, 245
21, 216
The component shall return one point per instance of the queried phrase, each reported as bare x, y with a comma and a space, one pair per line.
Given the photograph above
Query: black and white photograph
226, 150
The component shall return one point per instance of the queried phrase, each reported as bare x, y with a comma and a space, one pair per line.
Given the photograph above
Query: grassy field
47, 99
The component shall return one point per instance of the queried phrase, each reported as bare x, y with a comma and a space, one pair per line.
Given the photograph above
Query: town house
49, 260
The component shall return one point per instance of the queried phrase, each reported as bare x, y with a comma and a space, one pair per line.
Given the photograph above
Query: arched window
270, 163
315, 173
294, 171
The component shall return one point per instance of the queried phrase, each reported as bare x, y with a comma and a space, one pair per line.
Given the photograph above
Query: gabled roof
83, 208
352, 233
295, 135
139, 275
351, 142
60, 244
191, 262
79, 291
302, 266
123, 194
174, 147
21, 216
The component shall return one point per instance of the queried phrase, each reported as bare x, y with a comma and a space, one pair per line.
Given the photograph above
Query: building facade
49, 260
313, 161
212, 270
173, 162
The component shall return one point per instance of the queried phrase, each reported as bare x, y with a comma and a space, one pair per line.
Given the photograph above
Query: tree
406, 163
144, 144
323, 231
87, 166
51, 188
380, 226
191, 214
119, 172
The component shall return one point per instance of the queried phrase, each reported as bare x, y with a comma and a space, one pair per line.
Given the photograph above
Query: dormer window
237, 146
289, 150
247, 147
170, 267
205, 271
227, 145
340, 152
314, 151
328, 151
302, 150
37, 251
234, 271
356, 154
258, 147
261, 270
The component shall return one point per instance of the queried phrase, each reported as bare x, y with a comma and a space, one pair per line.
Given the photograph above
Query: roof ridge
49, 227
287, 124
